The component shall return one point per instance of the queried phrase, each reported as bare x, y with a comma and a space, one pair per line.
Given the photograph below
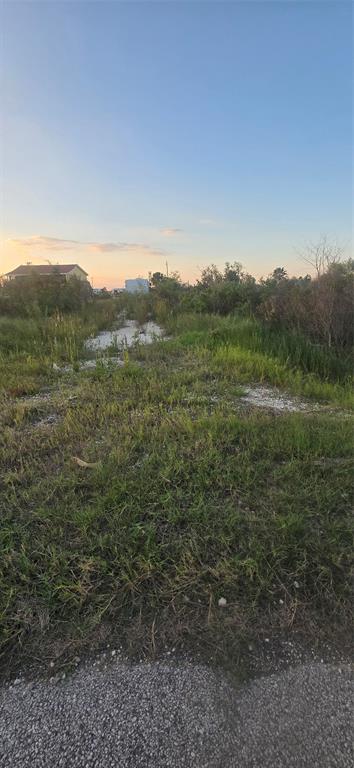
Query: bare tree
323, 254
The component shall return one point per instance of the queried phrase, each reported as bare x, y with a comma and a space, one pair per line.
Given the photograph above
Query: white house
138, 285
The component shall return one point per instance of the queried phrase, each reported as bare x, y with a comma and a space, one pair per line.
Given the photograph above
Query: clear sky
135, 133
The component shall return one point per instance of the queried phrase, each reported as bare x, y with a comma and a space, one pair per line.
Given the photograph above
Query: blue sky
194, 132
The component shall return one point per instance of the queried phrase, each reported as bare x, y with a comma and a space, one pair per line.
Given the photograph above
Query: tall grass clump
59, 336
245, 366
290, 348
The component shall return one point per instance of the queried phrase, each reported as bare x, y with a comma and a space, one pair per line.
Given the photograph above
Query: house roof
44, 269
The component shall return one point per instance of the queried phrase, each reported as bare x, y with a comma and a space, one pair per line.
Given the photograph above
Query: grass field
30, 346
192, 495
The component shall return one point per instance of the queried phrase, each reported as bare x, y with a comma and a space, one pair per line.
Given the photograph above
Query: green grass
193, 497
294, 351
30, 346
244, 365
240, 349
60, 336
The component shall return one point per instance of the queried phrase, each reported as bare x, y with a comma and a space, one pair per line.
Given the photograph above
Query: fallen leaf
85, 464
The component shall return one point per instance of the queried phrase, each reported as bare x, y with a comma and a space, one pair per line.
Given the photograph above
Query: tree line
320, 307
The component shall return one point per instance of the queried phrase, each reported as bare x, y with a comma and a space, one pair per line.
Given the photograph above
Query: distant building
139, 285
66, 271
101, 292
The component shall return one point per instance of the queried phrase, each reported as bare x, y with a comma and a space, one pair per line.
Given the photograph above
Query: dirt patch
266, 397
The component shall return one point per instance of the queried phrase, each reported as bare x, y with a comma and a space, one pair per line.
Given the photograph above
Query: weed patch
189, 498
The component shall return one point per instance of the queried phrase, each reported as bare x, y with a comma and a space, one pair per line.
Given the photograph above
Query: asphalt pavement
176, 715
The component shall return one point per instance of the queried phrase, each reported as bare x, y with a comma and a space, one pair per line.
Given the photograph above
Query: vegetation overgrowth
305, 322
30, 346
190, 494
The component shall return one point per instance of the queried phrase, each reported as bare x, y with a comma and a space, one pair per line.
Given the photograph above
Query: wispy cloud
40, 242
170, 231
105, 247
49, 243
123, 247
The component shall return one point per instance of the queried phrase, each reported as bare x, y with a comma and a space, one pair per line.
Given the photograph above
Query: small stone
113, 653
51, 664
296, 585
281, 601
222, 602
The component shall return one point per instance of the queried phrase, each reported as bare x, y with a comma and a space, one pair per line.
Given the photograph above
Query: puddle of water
264, 397
126, 336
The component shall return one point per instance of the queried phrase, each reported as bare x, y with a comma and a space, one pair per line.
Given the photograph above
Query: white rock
222, 602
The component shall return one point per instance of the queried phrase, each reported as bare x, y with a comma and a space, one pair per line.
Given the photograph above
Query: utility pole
166, 268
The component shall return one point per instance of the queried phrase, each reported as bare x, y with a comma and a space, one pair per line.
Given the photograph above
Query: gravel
169, 714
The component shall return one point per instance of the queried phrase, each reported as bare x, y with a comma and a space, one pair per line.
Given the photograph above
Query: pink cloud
61, 244
39, 241
124, 247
